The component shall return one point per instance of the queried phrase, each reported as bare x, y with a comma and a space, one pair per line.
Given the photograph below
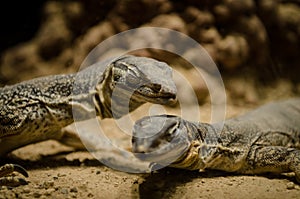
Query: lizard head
133, 81
160, 139
147, 79
167, 140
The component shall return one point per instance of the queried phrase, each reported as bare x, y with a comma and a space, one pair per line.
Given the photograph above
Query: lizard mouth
147, 94
164, 156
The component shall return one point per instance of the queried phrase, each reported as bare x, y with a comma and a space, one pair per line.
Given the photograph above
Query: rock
222, 12
237, 6
232, 51
48, 184
200, 25
64, 191
268, 8
49, 191
74, 189
22, 60
171, 21
253, 30
37, 194
54, 35
125, 12
290, 185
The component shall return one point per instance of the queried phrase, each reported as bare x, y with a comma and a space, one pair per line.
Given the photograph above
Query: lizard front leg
276, 159
70, 138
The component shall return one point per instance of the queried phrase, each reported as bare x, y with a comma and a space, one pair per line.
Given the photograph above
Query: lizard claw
20, 170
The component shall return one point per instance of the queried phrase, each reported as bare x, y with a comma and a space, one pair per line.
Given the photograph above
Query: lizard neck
112, 100
204, 139
196, 136
102, 97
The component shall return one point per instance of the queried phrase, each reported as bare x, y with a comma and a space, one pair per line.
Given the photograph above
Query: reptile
264, 140
38, 109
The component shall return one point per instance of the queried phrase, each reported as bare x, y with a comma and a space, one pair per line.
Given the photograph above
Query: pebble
230, 183
49, 191
61, 175
290, 185
26, 190
64, 191
98, 172
73, 195
48, 184
37, 194
74, 189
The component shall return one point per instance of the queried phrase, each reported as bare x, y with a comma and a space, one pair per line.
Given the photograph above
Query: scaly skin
264, 140
37, 110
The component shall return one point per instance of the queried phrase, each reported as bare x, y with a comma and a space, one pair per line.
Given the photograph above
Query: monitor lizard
266, 139
37, 109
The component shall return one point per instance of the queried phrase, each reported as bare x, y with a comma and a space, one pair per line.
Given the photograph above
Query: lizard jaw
163, 156
165, 98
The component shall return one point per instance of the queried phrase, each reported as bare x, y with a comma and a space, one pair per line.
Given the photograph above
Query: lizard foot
10, 180
295, 165
297, 172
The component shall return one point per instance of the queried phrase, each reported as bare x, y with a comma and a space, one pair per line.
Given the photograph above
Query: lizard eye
172, 132
117, 77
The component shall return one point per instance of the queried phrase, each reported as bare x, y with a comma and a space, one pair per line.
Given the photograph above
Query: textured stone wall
262, 35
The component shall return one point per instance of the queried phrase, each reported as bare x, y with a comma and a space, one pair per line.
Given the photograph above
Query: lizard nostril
156, 87
139, 149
